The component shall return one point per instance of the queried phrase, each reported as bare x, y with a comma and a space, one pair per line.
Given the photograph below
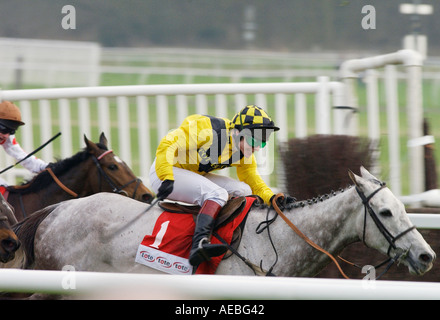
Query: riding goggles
254, 143
6, 130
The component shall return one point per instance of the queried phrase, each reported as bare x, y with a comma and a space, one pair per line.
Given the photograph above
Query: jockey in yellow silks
186, 157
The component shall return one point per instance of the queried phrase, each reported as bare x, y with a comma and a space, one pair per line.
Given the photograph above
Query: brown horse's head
113, 174
9, 242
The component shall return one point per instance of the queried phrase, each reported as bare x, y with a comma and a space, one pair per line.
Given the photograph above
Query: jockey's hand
285, 202
165, 189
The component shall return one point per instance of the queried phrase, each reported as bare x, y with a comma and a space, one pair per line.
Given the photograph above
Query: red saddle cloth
167, 248
4, 192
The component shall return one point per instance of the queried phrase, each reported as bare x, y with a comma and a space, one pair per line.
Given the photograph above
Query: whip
33, 152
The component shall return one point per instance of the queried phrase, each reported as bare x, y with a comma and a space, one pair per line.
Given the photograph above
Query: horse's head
9, 242
113, 174
385, 226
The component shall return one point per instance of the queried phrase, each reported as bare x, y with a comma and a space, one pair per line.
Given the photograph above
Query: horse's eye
386, 213
113, 167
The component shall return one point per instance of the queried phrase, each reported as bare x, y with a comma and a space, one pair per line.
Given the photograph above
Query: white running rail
96, 285
126, 110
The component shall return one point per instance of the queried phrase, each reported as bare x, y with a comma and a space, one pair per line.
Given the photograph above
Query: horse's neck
73, 180
331, 219
50, 194
330, 224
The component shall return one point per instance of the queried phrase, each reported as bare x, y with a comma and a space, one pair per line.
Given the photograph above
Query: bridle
106, 177
400, 253
387, 234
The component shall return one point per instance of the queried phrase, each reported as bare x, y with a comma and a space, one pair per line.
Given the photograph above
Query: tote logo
69, 20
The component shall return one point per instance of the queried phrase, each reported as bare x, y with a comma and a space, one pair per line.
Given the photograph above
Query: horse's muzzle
422, 263
8, 247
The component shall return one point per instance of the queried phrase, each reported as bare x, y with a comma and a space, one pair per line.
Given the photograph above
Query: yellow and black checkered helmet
252, 117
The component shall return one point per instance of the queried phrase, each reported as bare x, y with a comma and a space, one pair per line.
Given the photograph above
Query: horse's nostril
147, 198
10, 245
425, 257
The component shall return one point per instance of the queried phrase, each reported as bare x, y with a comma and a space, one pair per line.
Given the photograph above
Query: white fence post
162, 116
143, 119
340, 125
45, 128
124, 129
300, 115
322, 106
26, 130
84, 119
415, 127
393, 128
373, 119
412, 62
104, 118
281, 117
182, 108
66, 125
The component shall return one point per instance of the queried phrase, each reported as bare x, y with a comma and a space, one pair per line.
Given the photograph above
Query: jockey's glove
165, 189
285, 202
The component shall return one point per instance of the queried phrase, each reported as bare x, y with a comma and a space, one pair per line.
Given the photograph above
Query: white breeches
194, 188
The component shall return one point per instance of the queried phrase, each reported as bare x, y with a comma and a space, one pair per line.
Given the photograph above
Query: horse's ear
90, 146
103, 139
355, 178
367, 175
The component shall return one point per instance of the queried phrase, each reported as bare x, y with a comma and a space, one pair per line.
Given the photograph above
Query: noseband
385, 232
102, 173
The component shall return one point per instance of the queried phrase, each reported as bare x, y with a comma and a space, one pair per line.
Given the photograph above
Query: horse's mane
43, 179
331, 194
319, 198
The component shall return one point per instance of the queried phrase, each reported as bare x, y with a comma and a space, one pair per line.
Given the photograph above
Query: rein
302, 235
60, 184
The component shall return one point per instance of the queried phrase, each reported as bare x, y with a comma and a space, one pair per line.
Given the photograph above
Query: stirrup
205, 251
205, 239
201, 250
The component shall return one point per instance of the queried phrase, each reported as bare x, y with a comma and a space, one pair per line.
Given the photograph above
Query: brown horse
95, 169
9, 242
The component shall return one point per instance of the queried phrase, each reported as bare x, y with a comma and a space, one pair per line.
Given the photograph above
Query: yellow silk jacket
203, 144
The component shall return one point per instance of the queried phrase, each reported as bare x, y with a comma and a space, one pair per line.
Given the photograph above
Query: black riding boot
202, 249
